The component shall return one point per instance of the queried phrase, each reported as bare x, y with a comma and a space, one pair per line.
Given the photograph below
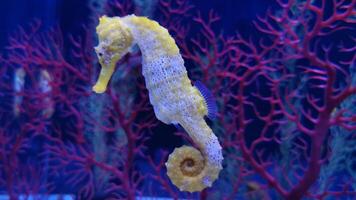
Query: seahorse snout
104, 78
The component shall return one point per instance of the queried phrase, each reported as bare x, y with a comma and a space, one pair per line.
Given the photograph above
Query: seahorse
173, 97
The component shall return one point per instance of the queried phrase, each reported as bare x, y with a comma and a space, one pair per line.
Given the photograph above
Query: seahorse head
115, 39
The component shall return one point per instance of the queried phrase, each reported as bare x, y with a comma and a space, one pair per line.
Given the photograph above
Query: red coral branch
278, 95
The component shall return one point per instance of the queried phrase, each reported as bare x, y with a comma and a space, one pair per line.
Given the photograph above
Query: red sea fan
280, 90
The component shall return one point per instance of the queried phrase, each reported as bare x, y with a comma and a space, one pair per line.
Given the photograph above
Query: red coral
287, 83
277, 94
260, 85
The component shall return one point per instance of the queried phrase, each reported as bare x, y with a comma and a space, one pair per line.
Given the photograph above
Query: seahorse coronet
173, 97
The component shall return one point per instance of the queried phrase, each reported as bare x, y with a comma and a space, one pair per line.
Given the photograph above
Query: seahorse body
174, 99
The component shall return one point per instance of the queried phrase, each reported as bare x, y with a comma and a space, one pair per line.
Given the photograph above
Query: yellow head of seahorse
114, 41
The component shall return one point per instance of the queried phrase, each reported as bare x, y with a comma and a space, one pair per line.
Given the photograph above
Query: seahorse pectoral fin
104, 78
209, 99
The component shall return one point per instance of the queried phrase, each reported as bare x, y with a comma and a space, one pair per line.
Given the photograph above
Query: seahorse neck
152, 39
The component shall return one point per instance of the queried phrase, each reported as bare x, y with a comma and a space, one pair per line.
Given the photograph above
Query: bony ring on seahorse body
174, 99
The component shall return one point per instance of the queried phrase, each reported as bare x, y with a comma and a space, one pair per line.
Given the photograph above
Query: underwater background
282, 72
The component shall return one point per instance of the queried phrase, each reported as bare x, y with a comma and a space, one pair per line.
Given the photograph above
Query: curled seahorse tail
191, 169
188, 170
184, 167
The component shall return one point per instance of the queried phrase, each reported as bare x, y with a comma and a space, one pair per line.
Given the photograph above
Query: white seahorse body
174, 99
163, 74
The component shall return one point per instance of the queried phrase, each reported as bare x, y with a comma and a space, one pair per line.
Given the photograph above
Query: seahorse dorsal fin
208, 98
